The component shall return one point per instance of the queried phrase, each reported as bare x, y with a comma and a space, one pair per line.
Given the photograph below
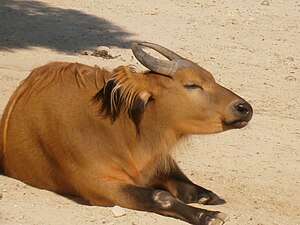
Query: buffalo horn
165, 67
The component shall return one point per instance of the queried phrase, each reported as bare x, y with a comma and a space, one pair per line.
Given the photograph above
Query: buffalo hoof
215, 219
210, 198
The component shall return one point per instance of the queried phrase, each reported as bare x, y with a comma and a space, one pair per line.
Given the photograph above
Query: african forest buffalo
107, 136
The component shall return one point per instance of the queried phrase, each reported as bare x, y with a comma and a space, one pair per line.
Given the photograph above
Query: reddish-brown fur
57, 132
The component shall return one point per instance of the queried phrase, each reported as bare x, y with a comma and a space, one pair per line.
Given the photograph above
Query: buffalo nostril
243, 108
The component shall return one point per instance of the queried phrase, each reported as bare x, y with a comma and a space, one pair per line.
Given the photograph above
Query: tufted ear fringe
123, 92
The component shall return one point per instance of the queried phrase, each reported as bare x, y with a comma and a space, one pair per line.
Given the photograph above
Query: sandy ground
250, 47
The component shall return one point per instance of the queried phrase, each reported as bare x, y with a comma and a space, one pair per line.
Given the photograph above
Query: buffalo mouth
235, 124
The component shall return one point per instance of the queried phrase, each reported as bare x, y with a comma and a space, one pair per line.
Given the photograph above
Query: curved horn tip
144, 43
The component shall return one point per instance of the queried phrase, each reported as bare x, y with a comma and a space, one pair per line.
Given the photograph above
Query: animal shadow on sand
26, 24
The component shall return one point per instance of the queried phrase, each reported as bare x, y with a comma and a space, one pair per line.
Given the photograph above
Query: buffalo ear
138, 108
124, 91
110, 102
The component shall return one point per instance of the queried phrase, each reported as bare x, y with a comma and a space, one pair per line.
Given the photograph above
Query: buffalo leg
161, 202
185, 190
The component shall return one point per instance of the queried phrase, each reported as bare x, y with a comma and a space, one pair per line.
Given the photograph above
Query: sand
251, 47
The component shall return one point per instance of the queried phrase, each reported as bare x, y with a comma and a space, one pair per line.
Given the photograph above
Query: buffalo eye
193, 86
